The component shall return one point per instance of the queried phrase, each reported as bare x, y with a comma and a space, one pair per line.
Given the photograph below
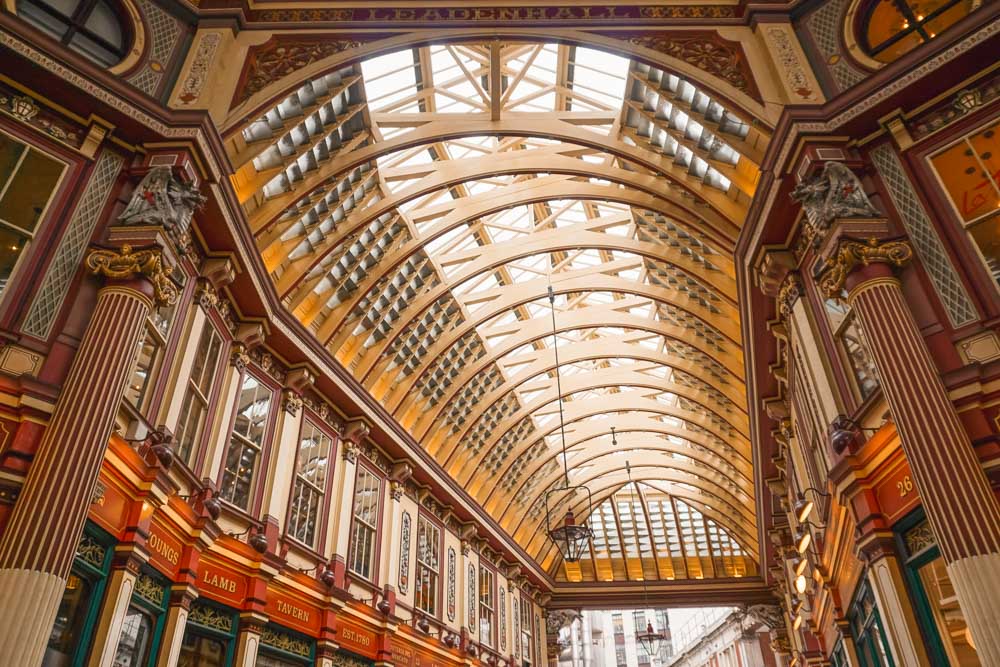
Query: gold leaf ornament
127, 263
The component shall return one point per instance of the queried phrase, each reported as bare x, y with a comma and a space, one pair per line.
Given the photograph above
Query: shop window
487, 605
428, 565
941, 619
311, 470
892, 28
283, 648
81, 601
969, 170
367, 494
143, 624
246, 442
89, 27
866, 628
208, 636
851, 344
194, 408
28, 179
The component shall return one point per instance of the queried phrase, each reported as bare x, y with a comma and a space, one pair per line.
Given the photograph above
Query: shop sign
404, 655
108, 507
897, 494
164, 550
222, 584
293, 613
358, 640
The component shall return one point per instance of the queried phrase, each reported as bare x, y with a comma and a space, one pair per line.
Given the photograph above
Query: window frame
915, 25
526, 629
376, 531
76, 24
44, 233
484, 568
323, 505
194, 458
966, 227
864, 640
262, 451
97, 577
437, 578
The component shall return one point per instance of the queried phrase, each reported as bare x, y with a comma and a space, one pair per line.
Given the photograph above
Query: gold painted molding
127, 263
851, 254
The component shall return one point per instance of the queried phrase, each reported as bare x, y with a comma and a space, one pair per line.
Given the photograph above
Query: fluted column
37, 547
961, 508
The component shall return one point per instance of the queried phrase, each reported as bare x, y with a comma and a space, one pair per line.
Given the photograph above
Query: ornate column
393, 519
889, 588
121, 585
36, 550
248, 639
339, 537
181, 597
961, 508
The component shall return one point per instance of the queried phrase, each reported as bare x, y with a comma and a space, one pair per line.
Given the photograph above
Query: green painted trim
286, 654
228, 637
915, 588
98, 578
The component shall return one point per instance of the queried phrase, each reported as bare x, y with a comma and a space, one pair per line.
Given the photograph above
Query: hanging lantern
650, 641
571, 538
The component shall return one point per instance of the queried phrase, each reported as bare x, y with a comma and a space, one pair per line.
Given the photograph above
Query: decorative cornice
851, 254
127, 263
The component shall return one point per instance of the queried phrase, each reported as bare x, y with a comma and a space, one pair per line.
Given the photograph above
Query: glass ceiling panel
424, 269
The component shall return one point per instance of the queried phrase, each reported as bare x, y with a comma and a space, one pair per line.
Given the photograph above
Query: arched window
90, 27
892, 28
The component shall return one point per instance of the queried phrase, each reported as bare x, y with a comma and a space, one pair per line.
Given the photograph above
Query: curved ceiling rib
413, 211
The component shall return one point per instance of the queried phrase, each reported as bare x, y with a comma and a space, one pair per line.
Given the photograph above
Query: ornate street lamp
571, 538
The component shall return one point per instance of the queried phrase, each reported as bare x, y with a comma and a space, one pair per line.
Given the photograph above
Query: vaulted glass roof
413, 210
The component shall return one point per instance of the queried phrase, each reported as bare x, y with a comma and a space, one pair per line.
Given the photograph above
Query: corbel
220, 271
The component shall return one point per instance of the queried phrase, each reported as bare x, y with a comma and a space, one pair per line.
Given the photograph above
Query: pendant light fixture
571, 538
649, 640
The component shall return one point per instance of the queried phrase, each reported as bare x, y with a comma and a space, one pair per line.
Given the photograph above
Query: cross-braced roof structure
413, 210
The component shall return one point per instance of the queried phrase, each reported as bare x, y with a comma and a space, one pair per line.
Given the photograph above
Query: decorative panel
404, 556
451, 584
48, 300
924, 237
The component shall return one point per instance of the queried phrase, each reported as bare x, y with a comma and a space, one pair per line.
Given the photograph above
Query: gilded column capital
127, 263
851, 254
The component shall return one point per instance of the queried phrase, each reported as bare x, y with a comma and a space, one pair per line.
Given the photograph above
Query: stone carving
127, 263
276, 59
850, 254
161, 199
768, 614
707, 52
833, 193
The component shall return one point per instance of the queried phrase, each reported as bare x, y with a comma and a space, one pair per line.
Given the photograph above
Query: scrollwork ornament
788, 294
205, 294
292, 403
852, 254
127, 263
239, 357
